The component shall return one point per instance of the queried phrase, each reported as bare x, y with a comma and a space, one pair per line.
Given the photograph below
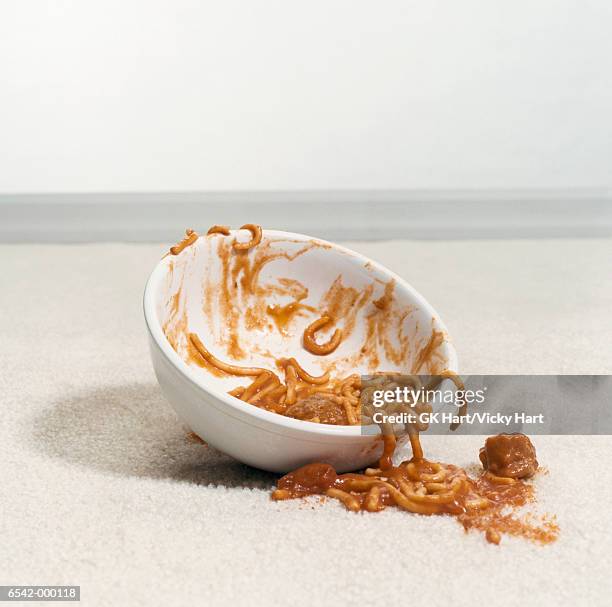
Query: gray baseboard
346, 215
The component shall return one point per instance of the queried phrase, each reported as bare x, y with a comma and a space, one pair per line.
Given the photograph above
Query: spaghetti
304, 375
222, 366
304, 396
416, 485
423, 487
310, 342
218, 229
190, 238
256, 234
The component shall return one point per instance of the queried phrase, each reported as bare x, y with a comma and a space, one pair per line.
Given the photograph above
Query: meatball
323, 408
509, 455
308, 480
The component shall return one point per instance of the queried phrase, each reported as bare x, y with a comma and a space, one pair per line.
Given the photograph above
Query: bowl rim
288, 423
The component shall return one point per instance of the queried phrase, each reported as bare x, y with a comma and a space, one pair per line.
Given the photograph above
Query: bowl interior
250, 308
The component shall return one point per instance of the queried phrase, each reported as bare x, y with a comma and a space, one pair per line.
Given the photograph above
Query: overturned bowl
250, 307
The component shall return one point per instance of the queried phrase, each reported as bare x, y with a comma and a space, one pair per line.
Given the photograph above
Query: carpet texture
100, 487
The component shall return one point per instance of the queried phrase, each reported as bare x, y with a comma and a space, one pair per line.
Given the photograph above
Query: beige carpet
99, 486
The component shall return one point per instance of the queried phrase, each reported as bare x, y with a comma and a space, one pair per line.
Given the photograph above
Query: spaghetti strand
310, 342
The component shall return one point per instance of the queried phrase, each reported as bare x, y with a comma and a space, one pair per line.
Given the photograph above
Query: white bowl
184, 295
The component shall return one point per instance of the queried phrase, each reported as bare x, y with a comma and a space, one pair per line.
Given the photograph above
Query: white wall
195, 95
